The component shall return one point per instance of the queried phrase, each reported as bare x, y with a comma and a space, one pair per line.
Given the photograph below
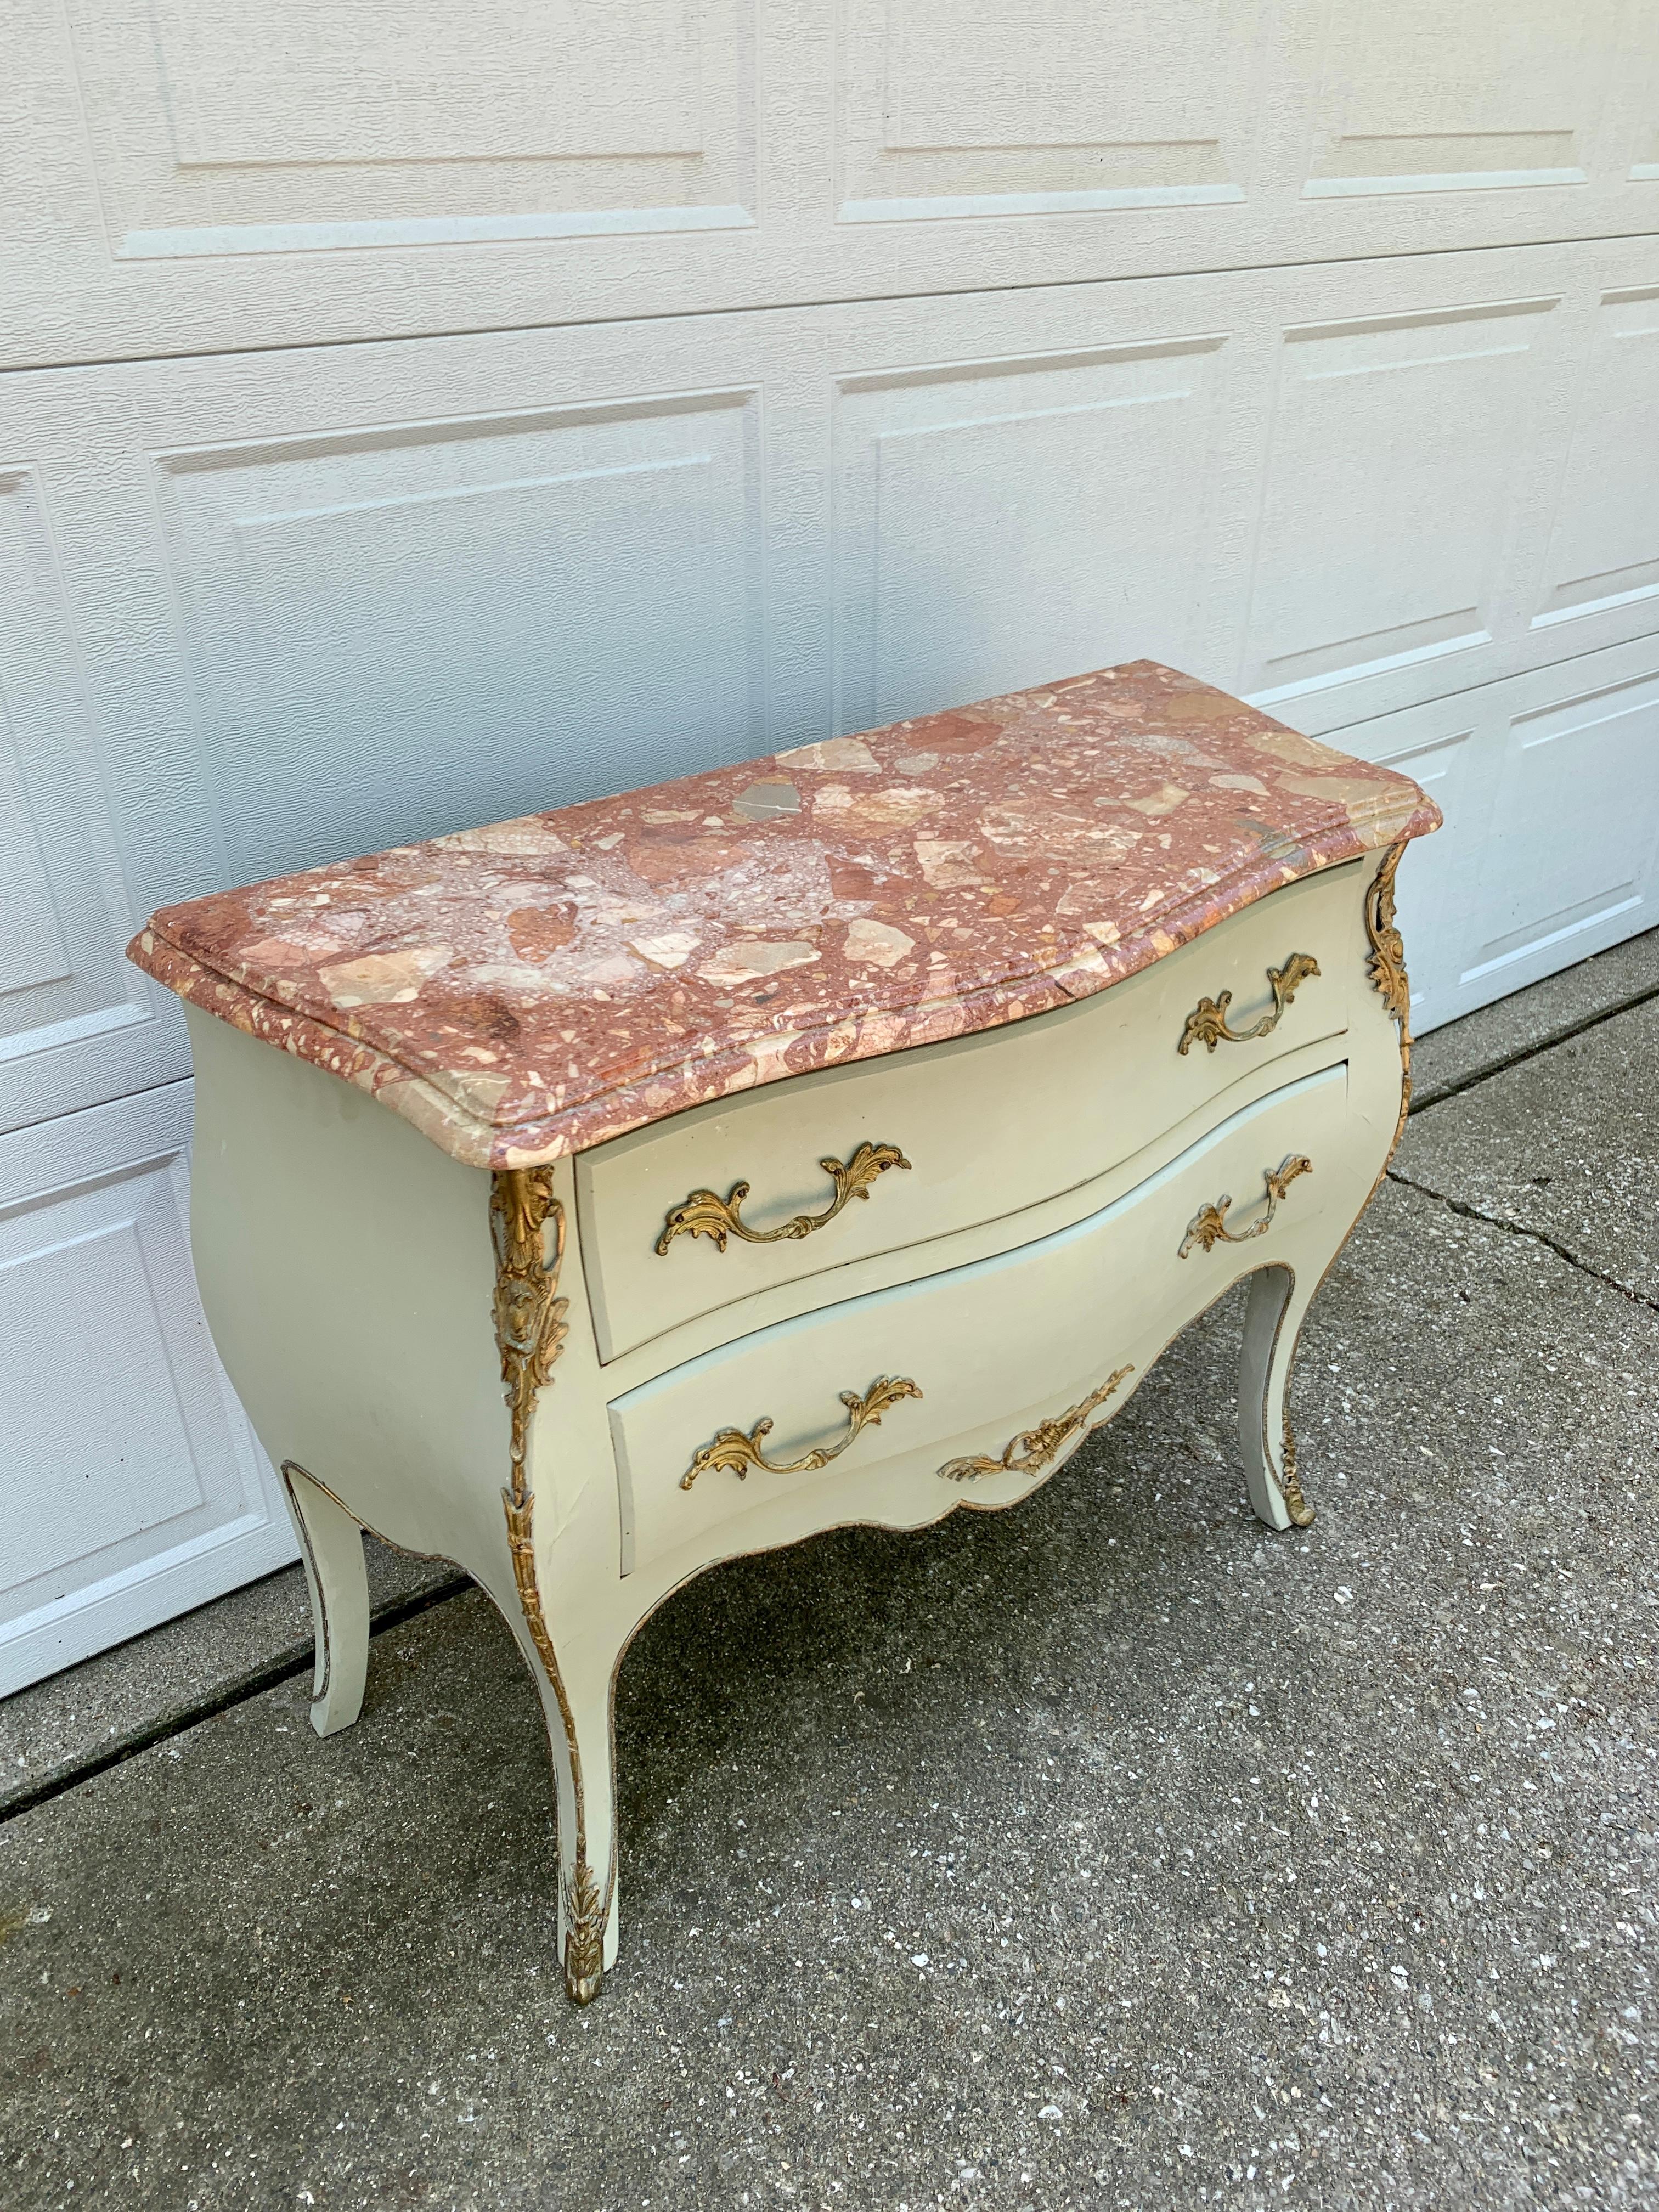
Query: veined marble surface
532, 988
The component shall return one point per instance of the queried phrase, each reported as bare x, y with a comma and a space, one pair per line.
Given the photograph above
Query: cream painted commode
834, 1139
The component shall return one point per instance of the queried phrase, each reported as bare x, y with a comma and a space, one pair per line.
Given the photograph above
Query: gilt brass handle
1208, 1227
1207, 1025
704, 1214
733, 1449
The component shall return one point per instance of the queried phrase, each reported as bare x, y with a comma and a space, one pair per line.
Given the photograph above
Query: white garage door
419, 416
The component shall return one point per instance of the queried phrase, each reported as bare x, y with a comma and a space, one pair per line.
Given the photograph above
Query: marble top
530, 989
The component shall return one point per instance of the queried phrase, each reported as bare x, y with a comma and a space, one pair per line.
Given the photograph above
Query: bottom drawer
986, 1375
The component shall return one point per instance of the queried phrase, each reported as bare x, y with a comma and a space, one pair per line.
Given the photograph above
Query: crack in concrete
163, 1727
1519, 1054
1460, 1205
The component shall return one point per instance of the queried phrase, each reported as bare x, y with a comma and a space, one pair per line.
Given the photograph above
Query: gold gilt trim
1207, 1025
1387, 971
1208, 1226
1290, 1482
1030, 1451
705, 1214
530, 1333
1387, 965
738, 1452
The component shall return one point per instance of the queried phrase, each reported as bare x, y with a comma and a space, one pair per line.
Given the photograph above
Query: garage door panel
954, 108
1551, 847
1421, 99
992, 521
1604, 547
76, 1021
1380, 424
226, 127
1571, 836
312, 621
129, 1483
213, 174
423, 584
412, 587
395, 631
1352, 513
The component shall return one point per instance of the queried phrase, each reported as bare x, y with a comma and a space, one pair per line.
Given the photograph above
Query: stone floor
1109, 1853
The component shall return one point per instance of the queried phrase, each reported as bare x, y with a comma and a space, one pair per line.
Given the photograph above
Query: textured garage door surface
414, 417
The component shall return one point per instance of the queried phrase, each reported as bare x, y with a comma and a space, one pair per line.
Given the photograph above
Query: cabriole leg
1273, 1321
527, 1225
576, 1707
331, 1543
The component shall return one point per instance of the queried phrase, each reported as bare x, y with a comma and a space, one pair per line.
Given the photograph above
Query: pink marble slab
532, 988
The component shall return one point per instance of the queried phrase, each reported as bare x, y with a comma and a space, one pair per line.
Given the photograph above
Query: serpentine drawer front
969, 1132
838, 1138
1047, 1323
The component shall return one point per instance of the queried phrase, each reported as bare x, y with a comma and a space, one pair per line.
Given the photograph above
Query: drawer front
991, 1372
739, 1197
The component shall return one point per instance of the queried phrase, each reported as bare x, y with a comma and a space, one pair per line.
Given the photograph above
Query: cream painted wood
203, 174
706, 1332
989, 1124
347, 1267
337, 1579
993, 1348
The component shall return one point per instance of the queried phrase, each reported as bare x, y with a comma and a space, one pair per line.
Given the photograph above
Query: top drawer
983, 1126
